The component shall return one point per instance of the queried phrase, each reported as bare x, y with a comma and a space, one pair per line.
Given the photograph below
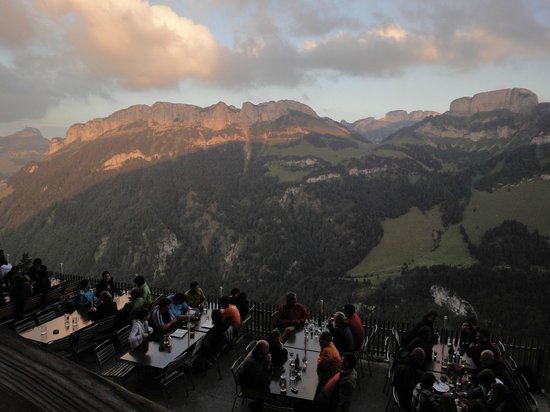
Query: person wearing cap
145, 290
329, 362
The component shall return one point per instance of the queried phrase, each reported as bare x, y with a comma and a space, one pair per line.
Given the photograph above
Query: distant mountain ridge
162, 115
377, 130
20, 148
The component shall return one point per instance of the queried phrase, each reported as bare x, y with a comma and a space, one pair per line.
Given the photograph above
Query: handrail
534, 353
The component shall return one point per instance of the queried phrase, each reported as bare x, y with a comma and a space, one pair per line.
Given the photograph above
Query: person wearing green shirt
144, 289
195, 295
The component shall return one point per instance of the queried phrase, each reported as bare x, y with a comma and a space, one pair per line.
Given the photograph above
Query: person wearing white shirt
140, 329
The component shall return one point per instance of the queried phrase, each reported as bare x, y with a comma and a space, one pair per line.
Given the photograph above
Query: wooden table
82, 320
154, 358
306, 385
59, 325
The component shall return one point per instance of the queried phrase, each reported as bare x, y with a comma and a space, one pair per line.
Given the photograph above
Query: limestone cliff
163, 115
514, 100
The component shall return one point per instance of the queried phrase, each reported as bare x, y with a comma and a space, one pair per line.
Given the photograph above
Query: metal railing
528, 352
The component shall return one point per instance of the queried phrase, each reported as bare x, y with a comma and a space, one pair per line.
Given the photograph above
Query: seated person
127, 314
428, 320
407, 375
485, 379
238, 299
195, 295
105, 309
487, 361
106, 283
329, 362
290, 316
341, 333
336, 395
355, 325
85, 295
208, 348
468, 334
422, 340
140, 329
230, 313
161, 319
279, 354
498, 398
256, 375
423, 397
178, 307
484, 343
145, 290
37, 270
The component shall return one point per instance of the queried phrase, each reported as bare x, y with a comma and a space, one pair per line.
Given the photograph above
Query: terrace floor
213, 394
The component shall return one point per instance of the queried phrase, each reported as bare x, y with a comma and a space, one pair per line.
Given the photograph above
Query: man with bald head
487, 361
256, 375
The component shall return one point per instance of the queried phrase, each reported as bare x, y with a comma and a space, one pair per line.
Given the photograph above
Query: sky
69, 61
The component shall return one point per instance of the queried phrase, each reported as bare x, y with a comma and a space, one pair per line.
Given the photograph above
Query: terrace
38, 372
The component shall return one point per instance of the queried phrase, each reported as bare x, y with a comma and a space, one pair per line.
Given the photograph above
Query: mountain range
272, 196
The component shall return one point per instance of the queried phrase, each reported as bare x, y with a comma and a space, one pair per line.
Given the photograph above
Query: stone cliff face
167, 115
515, 100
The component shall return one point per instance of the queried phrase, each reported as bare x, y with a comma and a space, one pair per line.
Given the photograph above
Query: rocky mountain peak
515, 100
162, 115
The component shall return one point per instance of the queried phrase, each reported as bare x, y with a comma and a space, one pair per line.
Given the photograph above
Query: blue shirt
177, 309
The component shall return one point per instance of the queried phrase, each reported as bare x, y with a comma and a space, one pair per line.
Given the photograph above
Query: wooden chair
123, 345
171, 373
62, 346
45, 316
109, 364
84, 339
25, 324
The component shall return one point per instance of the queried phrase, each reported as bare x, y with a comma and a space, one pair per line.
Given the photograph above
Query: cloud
15, 24
23, 95
138, 44
319, 17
